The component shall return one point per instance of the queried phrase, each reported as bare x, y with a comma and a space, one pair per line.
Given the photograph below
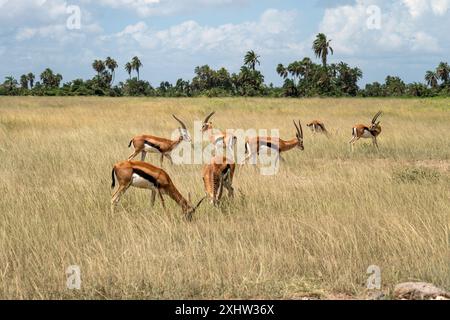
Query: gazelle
220, 139
146, 143
143, 175
317, 126
217, 175
367, 132
253, 145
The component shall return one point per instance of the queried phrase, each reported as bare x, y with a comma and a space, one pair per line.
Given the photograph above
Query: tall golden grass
313, 229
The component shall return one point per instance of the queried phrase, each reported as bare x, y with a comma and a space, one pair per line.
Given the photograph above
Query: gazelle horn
379, 113
209, 117
199, 203
299, 129
181, 122
192, 211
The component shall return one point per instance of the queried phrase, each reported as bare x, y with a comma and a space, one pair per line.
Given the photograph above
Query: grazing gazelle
220, 139
367, 132
143, 175
317, 126
217, 175
146, 143
253, 145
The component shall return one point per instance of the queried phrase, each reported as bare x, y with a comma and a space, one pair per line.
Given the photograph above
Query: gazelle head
189, 210
184, 133
299, 135
207, 125
375, 126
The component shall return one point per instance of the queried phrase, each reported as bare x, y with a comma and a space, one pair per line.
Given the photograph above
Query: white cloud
418, 8
147, 8
407, 26
24, 11
58, 32
272, 32
30, 19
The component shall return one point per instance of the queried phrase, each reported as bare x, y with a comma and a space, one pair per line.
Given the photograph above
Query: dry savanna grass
311, 230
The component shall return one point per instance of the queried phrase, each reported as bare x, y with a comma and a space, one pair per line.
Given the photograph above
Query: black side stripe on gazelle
157, 147
270, 145
322, 126
146, 176
113, 184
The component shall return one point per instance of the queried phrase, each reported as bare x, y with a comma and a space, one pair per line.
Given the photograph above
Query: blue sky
172, 37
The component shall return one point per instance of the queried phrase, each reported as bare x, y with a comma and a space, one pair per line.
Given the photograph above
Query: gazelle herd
219, 173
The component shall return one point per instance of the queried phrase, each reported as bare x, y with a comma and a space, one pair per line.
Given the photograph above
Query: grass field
311, 230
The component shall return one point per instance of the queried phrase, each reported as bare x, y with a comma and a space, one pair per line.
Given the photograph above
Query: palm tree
251, 59
129, 68
24, 81
57, 80
443, 71
282, 71
357, 73
31, 78
112, 65
322, 48
99, 66
10, 83
307, 67
432, 79
296, 69
47, 77
137, 64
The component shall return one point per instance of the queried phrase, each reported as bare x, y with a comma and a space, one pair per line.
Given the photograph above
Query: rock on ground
420, 291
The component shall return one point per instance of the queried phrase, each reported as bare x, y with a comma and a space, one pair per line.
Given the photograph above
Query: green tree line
303, 78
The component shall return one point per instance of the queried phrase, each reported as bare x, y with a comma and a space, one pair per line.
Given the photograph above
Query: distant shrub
416, 175
217, 92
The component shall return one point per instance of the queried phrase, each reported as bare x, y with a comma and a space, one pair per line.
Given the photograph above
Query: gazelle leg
252, 158
218, 195
229, 186
352, 142
161, 160
352, 145
375, 143
162, 199
116, 197
143, 155
133, 155
168, 156
153, 199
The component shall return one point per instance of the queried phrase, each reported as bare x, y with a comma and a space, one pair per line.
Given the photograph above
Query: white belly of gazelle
139, 182
150, 149
367, 135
